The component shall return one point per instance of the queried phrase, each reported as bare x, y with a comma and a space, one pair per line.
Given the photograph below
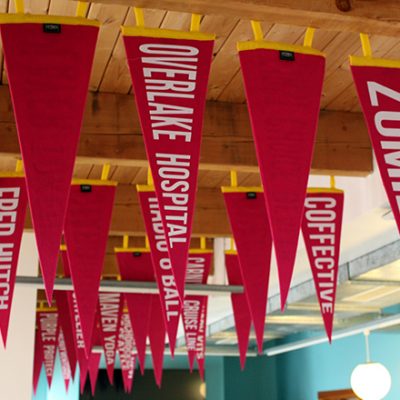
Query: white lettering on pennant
322, 238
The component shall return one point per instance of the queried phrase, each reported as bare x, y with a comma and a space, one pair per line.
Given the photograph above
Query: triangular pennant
128, 374
110, 310
127, 351
162, 264
83, 372
241, 312
93, 368
65, 261
201, 338
170, 76
86, 233
13, 202
284, 123
136, 265
66, 325
37, 361
250, 227
80, 349
322, 226
378, 87
199, 263
157, 338
65, 366
48, 99
48, 331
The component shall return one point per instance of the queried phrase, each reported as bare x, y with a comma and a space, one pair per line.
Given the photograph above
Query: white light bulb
371, 381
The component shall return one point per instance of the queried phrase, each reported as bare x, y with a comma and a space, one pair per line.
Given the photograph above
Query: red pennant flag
170, 72
83, 372
127, 351
49, 99
13, 202
322, 226
66, 325
65, 367
201, 338
249, 223
93, 367
241, 312
80, 349
157, 338
162, 264
136, 265
378, 87
199, 263
48, 331
276, 77
86, 233
37, 360
110, 309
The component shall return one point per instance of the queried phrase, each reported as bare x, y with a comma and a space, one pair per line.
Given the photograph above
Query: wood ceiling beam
111, 133
381, 17
210, 218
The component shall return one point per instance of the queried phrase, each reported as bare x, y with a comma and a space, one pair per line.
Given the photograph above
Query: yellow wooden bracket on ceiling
19, 166
309, 37
105, 171
139, 16
195, 23
366, 45
82, 9
234, 178
19, 6
257, 30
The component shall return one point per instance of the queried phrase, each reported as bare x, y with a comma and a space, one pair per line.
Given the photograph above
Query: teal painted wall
215, 378
57, 390
257, 381
303, 373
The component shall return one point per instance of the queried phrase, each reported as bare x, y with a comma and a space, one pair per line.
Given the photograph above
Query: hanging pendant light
370, 380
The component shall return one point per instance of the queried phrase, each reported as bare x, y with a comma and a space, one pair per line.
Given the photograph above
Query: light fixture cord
367, 352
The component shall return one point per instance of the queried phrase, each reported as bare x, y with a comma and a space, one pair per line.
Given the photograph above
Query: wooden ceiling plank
81, 171
234, 90
111, 133
117, 78
347, 98
111, 18
378, 17
62, 7
226, 62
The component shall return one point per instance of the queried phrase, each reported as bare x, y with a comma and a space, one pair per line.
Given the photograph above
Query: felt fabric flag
284, 123
135, 264
37, 360
93, 369
378, 87
201, 339
199, 263
66, 326
170, 72
48, 99
249, 222
80, 349
157, 338
13, 202
86, 233
83, 372
110, 310
127, 351
48, 331
65, 367
162, 263
241, 312
322, 227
